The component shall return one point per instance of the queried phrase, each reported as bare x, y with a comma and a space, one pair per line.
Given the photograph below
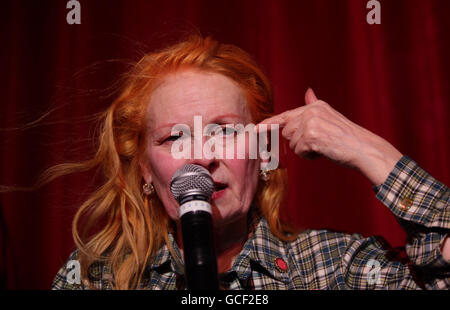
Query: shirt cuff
415, 196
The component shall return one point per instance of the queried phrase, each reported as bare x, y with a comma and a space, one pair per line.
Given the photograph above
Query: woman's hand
317, 129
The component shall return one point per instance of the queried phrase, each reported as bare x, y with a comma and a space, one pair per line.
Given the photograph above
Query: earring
265, 175
148, 189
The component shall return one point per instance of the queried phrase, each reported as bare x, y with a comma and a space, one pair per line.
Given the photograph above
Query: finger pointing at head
281, 119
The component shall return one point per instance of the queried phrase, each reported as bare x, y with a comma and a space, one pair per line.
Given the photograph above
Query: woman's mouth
219, 190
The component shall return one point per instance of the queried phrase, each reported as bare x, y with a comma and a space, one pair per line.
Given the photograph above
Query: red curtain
392, 78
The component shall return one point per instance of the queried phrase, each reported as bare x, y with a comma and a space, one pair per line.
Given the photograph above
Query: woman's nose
203, 156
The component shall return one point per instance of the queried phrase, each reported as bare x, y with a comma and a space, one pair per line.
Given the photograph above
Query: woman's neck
229, 241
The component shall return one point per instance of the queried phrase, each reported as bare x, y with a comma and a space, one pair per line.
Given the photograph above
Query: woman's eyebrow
164, 126
223, 118
156, 132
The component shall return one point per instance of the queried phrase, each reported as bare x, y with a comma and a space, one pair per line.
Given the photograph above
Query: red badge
281, 264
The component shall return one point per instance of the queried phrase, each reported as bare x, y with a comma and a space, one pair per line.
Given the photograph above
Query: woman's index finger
280, 119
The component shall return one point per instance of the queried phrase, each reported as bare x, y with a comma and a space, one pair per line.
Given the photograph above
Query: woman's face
218, 100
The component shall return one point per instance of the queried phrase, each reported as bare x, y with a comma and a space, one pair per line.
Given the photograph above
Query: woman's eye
228, 131
171, 138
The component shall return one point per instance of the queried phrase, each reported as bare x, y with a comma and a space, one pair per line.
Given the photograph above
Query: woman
139, 244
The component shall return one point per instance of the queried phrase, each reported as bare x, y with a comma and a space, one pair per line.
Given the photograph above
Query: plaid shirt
320, 259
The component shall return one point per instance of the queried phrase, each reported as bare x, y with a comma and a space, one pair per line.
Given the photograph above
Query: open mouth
219, 190
219, 186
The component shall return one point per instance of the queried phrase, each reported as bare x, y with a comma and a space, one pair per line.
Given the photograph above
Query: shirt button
405, 204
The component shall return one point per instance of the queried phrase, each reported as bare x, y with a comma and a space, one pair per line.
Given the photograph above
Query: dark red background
392, 79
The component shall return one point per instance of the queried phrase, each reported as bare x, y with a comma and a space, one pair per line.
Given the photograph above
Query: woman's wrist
378, 158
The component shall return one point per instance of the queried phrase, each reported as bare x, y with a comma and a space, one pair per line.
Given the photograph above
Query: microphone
192, 186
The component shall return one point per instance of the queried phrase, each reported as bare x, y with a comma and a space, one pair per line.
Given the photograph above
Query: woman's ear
145, 171
269, 160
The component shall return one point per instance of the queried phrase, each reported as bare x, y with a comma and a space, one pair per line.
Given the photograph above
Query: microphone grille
191, 179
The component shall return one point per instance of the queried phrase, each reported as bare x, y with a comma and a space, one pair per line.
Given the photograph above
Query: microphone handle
199, 253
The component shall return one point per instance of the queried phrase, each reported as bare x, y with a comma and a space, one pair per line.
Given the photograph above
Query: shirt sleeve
334, 260
422, 206
340, 261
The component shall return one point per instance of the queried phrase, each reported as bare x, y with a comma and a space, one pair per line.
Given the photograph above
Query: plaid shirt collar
260, 251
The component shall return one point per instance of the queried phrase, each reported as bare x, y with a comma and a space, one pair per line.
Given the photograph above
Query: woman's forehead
186, 94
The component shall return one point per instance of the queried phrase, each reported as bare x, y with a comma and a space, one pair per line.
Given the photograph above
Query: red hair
136, 227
